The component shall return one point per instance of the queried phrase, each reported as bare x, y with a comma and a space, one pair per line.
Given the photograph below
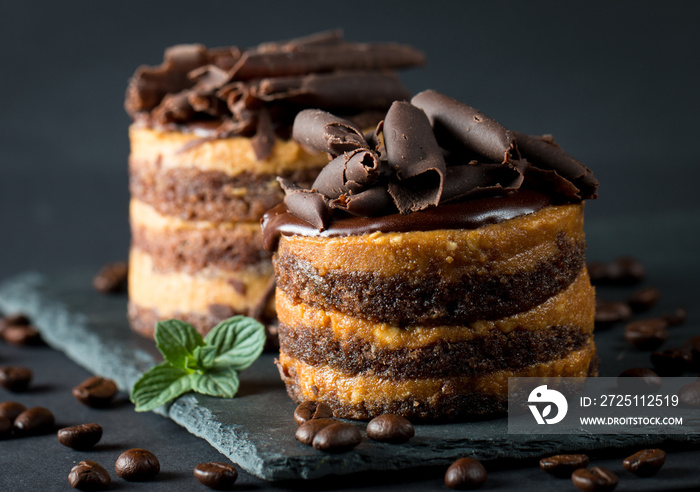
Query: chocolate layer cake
430, 261
211, 133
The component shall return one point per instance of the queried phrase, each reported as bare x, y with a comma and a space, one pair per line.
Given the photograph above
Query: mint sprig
208, 365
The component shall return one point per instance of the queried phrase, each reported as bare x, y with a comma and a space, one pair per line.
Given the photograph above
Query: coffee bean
608, 313
112, 278
337, 438
21, 335
676, 318
83, 436
465, 474
598, 272
639, 380
644, 299
95, 391
137, 465
689, 394
647, 334
10, 410
626, 271
390, 428
312, 410
563, 465
5, 427
307, 431
89, 475
35, 420
596, 479
645, 463
217, 476
671, 361
14, 320
15, 379
693, 344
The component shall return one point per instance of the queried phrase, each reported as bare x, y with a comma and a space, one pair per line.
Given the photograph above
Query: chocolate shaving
347, 173
264, 139
306, 204
374, 201
324, 132
478, 179
457, 125
320, 38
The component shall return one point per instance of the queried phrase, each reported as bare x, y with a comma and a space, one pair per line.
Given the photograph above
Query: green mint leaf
159, 385
204, 356
238, 341
177, 341
220, 381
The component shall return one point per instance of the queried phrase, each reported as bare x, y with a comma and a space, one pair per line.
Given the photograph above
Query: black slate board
255, 430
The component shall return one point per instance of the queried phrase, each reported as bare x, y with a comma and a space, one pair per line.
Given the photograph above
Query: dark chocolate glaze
471, 214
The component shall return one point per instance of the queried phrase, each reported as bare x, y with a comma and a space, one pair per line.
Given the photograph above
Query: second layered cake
425, 267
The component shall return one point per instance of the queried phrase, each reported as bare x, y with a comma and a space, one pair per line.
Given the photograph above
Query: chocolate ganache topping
256, 92
431, 163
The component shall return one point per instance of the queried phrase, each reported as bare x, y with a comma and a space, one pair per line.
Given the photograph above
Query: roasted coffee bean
95, 391
596, 479
14, 320
137, 465
693, 344
639, 380
644, 299
35, 420
689, 394
671, 361
112, 278
83, 436
598, 272
337, 438
307, 431
465, 474
15, 379
10, 410
626, 271
89, 475
647, 334
21, 335
5, 427
312, 410
217, 476
563, 465
609, 313
676, 318
645, 463
390, 428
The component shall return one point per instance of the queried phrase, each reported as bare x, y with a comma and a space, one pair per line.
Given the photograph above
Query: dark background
615, 82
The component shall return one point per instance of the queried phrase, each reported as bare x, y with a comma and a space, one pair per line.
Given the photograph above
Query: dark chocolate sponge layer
477, 356
402, 301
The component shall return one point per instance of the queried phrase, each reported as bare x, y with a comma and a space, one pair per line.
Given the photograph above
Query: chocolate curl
325, 58
367, 203
554, 165
334, 36
308, 205
336, 90
414, 154
208, 78
347, 174
264, 139
226, 57
150, 85
456, 124
476, 179
174, 108
325, 132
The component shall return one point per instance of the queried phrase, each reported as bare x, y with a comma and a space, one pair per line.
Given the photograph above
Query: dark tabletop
616, 83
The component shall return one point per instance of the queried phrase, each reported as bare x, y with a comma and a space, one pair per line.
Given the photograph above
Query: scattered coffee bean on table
217, 476
337, 438
693, 344
5, 427
83, 436
608, 313
14, 320
596, 479
112, 278
137, 465
312, 410
689, 394
15, 379
671, 361
677, 317
626, 270
390, 428
465, 474
95, 391
645, 463
35, 420
307, 431
639, 380
89, 475
563, 465
644, 299
647, 334
21, 335
10, 409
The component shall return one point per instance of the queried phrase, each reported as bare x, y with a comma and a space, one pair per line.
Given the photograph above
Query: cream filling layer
144, 215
